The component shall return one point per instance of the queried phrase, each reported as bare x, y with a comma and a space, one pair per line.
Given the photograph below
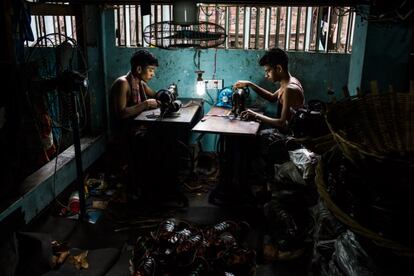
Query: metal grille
316, 29
61, 26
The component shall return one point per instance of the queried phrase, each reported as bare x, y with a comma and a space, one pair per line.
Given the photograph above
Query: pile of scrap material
180, 248
367, 207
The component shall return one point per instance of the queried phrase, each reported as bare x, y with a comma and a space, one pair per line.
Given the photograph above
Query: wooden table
235, 136
185, 116
159, 160
219, 121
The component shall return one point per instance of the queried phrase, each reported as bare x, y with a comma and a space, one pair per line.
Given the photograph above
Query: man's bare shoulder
120, 82
121, 79
294, 85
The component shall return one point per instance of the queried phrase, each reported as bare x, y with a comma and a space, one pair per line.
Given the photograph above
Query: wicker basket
374, 125
356, 226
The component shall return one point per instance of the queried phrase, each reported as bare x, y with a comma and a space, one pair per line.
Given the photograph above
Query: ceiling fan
184, 30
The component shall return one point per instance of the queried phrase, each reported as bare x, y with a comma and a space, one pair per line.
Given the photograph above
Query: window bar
308, 23
37, 19
161, 7
68, 26
123, 32
127, 26
277, 27
217, 14
121, 25
246, 39
152, 19
54, 23
171, 18
40, 20
299, 11
145, 19
236, 31
73, 21
155, 19
338, 31
62, 25
49, 28
64, 30
118, 21
227, 26
348, 30
169, 12
44, 31
351, 38
140, 29
268, 16
256, 39
318, 29
57, 29
216, 18
33, 26
328, 31
137, 26
288, 27
206, 14
132, 41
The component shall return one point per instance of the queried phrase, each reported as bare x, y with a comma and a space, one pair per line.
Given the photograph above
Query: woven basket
374, 125
356, 226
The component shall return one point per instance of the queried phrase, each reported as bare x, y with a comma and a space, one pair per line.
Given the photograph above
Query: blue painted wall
316, 71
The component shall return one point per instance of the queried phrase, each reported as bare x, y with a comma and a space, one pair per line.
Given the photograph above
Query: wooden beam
51, 9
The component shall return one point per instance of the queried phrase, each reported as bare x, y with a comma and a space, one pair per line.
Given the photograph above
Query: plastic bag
305, 160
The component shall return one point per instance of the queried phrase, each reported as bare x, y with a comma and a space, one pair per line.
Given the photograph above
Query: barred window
309, 29
43, 25
52, 21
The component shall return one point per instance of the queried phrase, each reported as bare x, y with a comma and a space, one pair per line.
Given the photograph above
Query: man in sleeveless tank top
290, 94
130, 95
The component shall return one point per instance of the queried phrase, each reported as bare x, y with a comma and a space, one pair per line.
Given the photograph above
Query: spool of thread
74, 205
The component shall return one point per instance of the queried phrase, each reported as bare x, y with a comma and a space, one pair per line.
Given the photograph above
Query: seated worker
290, 94
131, 95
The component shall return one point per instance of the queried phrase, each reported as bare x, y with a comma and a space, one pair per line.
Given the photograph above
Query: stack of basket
375, 133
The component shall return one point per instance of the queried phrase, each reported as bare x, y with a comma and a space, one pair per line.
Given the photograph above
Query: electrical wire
54, 176
196, 58
206, 13
215, 64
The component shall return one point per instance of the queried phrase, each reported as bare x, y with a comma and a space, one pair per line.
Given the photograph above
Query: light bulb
200, 88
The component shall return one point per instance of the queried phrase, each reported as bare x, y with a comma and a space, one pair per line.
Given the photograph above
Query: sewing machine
233, 98
168, 100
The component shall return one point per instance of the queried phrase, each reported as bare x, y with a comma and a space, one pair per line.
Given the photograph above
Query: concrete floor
110, 241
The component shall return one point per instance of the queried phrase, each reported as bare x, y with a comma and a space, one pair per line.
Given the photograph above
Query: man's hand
248, 115
151, 103
241, 84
